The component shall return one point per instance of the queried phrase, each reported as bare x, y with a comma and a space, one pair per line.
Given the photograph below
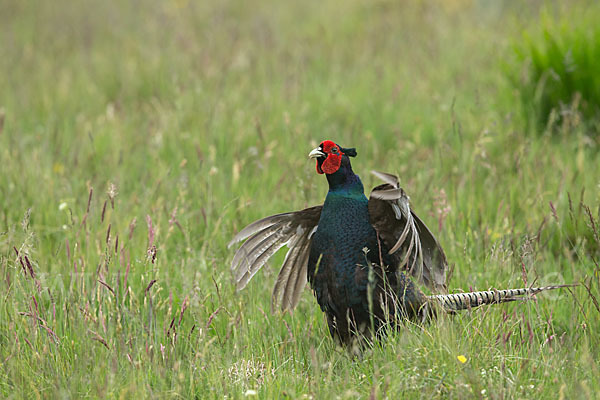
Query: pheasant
363, 258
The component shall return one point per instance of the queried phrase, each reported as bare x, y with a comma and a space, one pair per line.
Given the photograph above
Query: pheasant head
331, 156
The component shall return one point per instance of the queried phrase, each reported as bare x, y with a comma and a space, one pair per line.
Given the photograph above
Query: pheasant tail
463, 301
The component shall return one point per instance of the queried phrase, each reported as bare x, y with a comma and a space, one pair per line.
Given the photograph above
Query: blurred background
136, 138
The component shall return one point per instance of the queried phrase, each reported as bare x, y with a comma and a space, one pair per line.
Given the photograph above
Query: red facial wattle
334, 158
332, 163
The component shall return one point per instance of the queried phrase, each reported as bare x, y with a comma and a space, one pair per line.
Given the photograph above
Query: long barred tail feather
463, 301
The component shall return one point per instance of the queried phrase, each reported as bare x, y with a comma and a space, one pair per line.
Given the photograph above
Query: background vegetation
137, 137
558, 79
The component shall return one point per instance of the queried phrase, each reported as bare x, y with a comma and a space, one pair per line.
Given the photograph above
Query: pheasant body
337, 251
362, 256
344, 255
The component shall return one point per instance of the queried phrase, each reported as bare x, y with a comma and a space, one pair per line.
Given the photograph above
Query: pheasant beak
316, 153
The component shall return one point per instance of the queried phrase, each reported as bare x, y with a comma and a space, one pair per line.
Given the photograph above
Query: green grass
557, 74
174, 124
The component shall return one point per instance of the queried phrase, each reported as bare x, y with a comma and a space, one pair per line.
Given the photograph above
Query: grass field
136, 138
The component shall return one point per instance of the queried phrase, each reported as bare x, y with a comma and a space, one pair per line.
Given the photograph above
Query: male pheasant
362, 257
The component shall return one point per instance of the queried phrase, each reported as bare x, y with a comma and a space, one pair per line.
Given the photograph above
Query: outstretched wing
401, 229
263, 238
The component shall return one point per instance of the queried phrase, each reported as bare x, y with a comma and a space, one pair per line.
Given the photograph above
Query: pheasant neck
344, 180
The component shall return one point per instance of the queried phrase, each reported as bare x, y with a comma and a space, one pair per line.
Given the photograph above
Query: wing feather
258, 226
258, 262
265, 237
387, 178
434, 257
253, 248
284, 275
297, 280
400, 229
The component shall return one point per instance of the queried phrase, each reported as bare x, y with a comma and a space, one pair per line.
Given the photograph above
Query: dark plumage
362, 257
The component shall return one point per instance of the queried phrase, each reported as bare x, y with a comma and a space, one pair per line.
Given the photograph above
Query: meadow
136, 138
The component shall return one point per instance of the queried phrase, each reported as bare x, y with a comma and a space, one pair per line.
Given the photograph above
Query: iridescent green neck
345, 182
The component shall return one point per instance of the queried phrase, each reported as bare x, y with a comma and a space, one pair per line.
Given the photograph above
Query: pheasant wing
263, 238
401, 229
